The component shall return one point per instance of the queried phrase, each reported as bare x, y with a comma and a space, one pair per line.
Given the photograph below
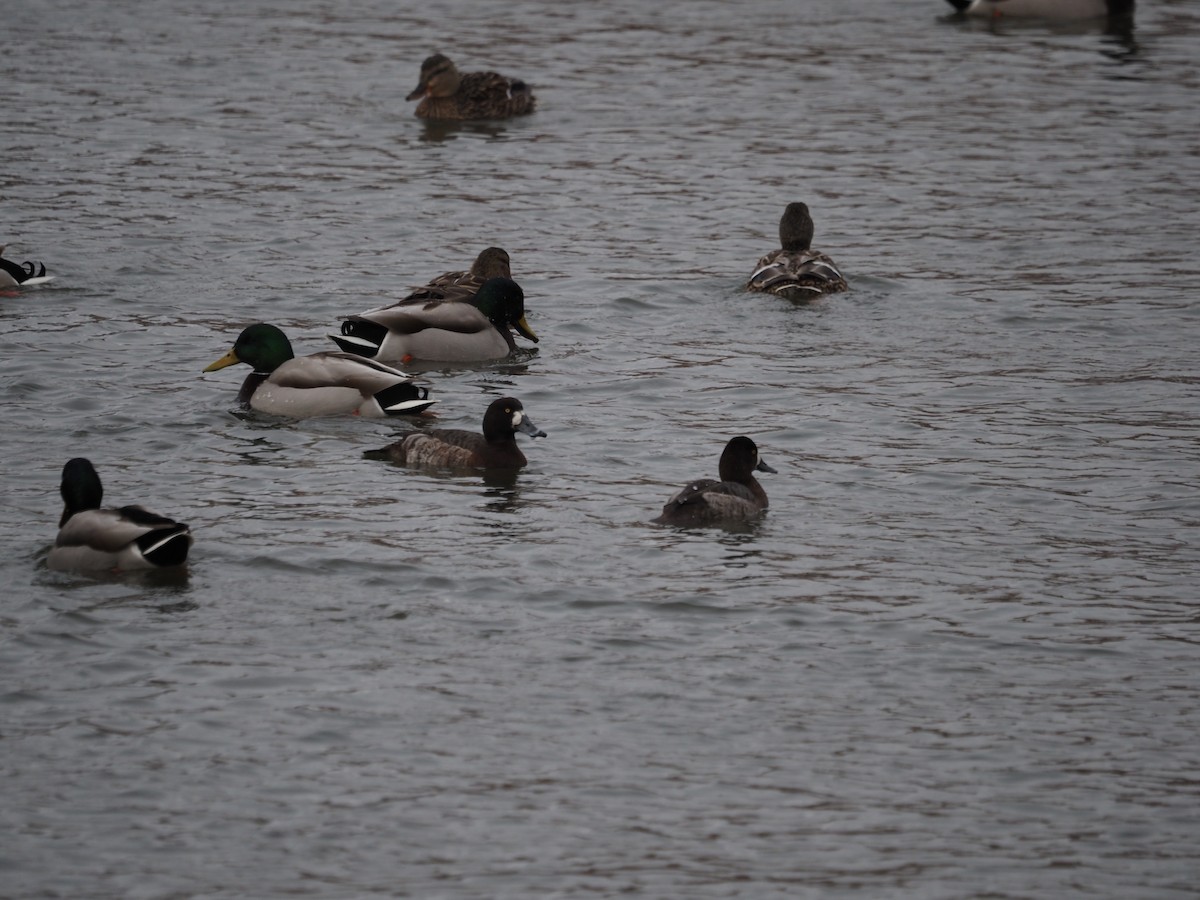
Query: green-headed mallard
490, 263
443, 330
91, 538
321, 384
27, 273
1045, 9
737, 497
796, 271
446, 93
455, 448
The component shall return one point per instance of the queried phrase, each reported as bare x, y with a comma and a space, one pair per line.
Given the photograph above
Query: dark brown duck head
439, 78
796, 228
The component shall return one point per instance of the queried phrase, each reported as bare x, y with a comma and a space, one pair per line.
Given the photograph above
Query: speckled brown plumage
795, 270
463, 285
446, 93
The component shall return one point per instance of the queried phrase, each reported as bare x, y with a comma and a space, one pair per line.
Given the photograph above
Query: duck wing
411, 318
334, 368
129, 537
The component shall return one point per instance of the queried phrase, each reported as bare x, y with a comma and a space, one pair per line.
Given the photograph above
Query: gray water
958, 658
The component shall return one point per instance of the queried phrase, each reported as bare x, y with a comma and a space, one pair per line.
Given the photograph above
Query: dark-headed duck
795, 271
454, 448
129, 538
476, 330
737, 497
321, 384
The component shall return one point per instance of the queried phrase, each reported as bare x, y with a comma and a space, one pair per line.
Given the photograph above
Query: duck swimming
474, 330
446, 93
128, 538
27, 273
454, 448
321, 384
737, 497
796, 271
490, 263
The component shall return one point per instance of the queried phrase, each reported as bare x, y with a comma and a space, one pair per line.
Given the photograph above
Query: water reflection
439, 131
1117, 30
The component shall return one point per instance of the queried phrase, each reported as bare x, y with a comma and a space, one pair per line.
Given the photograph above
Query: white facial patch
518, 418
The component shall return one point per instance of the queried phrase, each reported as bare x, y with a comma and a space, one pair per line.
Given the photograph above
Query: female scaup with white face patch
454, 448
737, 497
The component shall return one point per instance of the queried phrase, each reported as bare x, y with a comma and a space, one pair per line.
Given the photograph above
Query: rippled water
957, 658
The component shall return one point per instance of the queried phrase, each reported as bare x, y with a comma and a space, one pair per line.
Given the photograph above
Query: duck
737, 497
492, 262
1045, 9
446, 93
320, 384
796, 271
127, 539
445, 330
456, 448
17, 274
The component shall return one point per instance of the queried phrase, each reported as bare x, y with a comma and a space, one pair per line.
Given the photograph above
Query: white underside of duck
300, 403
7, 281
106, 539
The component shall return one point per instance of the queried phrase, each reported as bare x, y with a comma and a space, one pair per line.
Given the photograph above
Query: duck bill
418, 92
529, 428
525, 331
763, 467
229, 359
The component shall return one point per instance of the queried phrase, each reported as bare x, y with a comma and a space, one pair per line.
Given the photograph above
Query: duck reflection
439, 131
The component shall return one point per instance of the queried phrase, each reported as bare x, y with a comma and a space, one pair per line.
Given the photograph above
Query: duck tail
360, 336
404, 399
166, 546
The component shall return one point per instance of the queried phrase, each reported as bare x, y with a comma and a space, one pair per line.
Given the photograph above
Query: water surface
956, 658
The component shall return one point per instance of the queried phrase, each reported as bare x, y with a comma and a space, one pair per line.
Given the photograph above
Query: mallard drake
1045, 9
796, 271
321, 384
446, 93
443, 330
737, 497
27, 273
455, 448
490, 263
127, 538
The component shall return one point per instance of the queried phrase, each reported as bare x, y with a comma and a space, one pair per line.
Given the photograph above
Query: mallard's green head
503, 302
264, 347
796, 228
81, 488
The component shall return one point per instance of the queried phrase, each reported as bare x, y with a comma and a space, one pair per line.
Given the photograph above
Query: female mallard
490, 263
443, 330
127, 538
27, 273
1045, 9
321, 384
454, 448
737, 497
446, 93
796, 271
